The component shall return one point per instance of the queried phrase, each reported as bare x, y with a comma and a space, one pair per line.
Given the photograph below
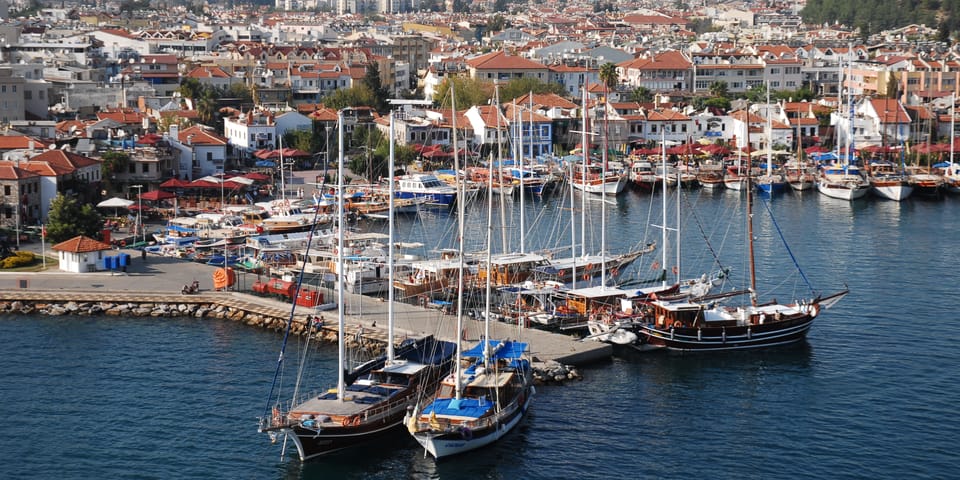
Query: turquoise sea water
870, 395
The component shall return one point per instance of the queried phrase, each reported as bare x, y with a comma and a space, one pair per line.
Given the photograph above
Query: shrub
18, 259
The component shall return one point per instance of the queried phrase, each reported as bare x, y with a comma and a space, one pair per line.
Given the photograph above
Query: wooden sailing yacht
704, 325
367, 401
488, 393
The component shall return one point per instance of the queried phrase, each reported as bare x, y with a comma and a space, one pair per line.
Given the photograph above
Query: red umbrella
155, 195
257, 177
203, 184
175, 183
815, 149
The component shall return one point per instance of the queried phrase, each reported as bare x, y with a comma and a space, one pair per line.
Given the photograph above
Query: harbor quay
152, 287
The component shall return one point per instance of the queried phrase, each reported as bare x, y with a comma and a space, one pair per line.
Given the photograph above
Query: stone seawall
372, 340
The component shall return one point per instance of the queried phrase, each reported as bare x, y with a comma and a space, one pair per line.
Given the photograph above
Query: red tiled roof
889, 110
499, 60
201, 136
81, 244
46, 169
65, 160
19, 142
10, 171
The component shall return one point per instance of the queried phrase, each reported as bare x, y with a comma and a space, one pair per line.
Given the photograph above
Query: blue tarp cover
510, 350
178, 228
464, 407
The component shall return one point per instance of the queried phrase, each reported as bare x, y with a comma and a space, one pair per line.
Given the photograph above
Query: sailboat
843, 180
951, 175
771, 182
888, 181
367, 401
706, 326
592, 178
489, 391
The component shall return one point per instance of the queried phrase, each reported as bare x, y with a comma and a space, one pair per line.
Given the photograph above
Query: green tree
497, 23
720, 89
717, 102
609, 76
240, 91
356, 96
190, 88
207, 106
112, 162
67, 219
641, 95
469, 92
522, 86
372, 81
757, 93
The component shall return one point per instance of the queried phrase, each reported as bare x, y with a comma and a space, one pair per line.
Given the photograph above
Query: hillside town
194, 92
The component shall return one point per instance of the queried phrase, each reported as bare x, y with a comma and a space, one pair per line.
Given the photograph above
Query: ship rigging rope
274, 386
766, 205
703, 233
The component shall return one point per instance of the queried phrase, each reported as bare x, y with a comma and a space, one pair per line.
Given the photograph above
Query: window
6, 189
132, 168
28, 95
144, 168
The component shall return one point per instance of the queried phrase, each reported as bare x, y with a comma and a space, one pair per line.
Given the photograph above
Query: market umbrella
155, 195
175, 183
115, 203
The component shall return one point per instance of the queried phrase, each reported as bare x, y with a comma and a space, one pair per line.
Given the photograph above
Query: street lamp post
139, 212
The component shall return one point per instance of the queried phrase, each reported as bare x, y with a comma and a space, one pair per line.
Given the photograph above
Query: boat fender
466, 433
677, 324
345, 421
356, 420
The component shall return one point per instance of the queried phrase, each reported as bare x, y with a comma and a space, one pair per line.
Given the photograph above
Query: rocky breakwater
368, 339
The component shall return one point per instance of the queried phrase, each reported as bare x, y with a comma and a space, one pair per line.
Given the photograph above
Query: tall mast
458, 383
573, 226
749, 185
341, 343
390, 293
489, 258
663, 199
503, 206
603, 194
953, 124
769, 141
583, 173
523, 235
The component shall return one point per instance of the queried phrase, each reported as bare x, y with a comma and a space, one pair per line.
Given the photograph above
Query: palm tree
719, 89
609, 76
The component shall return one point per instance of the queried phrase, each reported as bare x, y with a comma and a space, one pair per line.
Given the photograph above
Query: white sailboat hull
609, 187
442, 445
843, 191
893, 192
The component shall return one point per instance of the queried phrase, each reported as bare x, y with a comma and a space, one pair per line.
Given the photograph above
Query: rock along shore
371, 340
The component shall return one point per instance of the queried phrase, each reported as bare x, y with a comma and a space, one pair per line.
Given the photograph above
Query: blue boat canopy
502, 350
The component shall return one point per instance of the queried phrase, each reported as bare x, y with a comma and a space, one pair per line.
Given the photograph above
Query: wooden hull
462, 440
718, 339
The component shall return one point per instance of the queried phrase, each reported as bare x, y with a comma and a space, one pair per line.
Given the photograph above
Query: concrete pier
158, 280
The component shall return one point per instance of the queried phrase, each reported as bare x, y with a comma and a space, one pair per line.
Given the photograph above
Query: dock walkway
159, 280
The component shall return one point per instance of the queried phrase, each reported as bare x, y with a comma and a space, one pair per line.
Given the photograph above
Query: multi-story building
19, 196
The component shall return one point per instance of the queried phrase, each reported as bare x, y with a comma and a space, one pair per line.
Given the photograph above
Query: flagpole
43, 245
